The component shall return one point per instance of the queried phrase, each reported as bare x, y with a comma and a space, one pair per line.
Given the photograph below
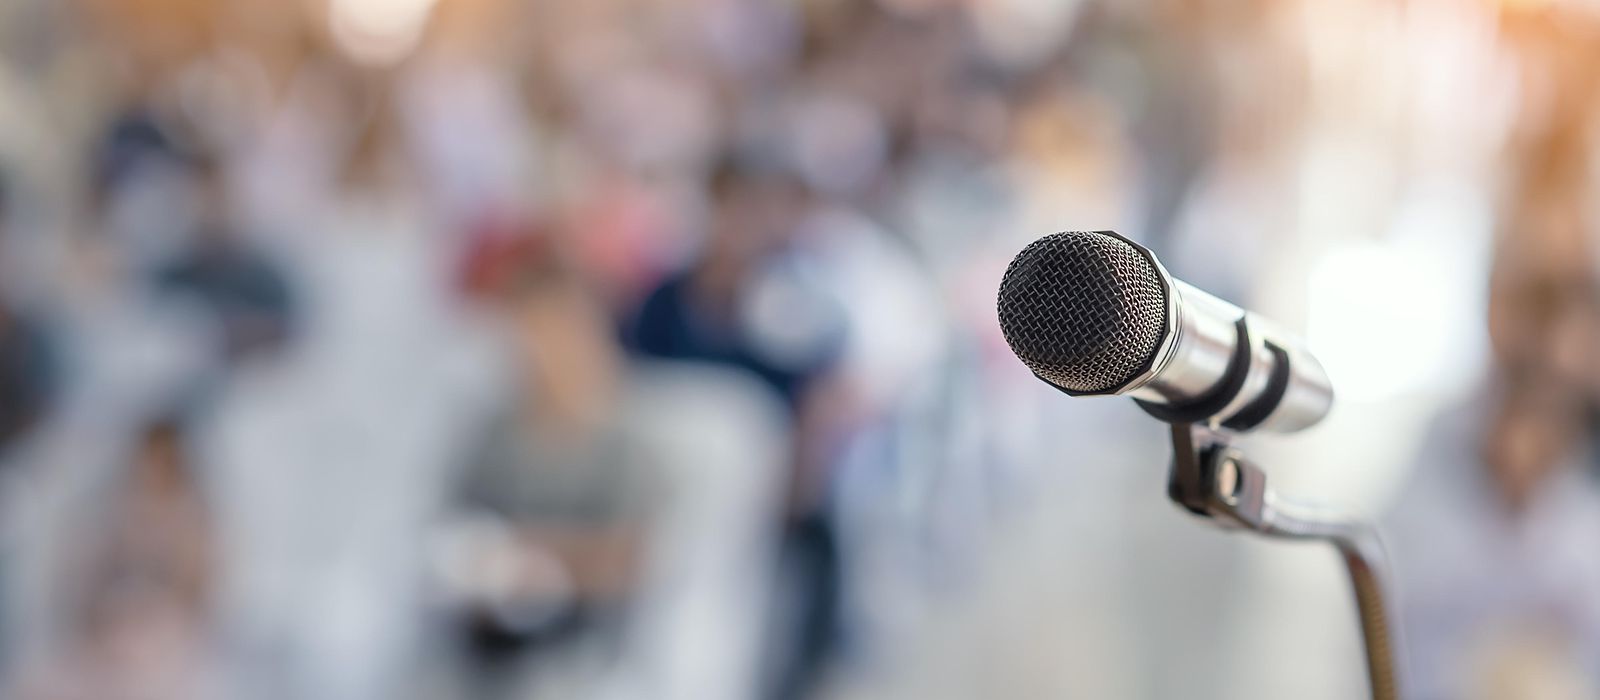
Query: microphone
1093, 313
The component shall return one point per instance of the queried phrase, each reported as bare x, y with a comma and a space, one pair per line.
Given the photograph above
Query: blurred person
141, 581
114, 355
1069, 162
1544, 308
323, 597
1493, 545
1176, 109
697, 314
321, 585
127, 348
736, 306
750, 42
608, 523
551, 471
952, 191
133, 137
141, 196
1544, 312
1498, 562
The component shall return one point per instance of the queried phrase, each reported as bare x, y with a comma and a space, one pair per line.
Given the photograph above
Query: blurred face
753, 219
1530, 436
1548, 325
161, 460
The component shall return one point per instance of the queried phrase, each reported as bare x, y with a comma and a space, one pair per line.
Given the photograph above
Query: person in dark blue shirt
707, 312
745, 303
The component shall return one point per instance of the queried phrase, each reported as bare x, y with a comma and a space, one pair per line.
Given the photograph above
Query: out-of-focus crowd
364, 349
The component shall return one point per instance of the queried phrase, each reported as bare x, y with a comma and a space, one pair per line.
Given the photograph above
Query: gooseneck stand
1211, 479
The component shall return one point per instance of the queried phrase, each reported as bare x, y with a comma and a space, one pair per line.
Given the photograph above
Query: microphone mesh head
1085, 311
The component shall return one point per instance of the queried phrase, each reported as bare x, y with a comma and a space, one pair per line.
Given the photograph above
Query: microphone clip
1213, 480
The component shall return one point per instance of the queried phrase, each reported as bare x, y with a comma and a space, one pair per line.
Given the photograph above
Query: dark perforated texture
1085, 311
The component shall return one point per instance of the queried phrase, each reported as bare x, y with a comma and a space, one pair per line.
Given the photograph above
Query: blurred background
389, 349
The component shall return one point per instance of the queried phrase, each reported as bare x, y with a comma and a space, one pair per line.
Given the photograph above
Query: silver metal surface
1309, 397
1197, 348
1194, 357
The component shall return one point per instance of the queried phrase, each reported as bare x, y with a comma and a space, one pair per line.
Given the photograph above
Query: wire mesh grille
1085, 311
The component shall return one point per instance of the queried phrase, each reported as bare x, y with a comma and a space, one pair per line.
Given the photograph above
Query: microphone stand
1211, 479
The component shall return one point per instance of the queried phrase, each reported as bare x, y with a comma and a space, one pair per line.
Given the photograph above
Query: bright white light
1386, 321
379, 31
1022, 32
1355, 321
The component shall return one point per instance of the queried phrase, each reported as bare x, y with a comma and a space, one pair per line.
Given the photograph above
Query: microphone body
1093, 313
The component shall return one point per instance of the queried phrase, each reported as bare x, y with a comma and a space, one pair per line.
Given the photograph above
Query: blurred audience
139, 589
1495, 533
627, 348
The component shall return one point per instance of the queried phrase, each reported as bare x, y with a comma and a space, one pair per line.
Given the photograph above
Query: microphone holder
1213, 480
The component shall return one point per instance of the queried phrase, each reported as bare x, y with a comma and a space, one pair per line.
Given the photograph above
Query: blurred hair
161, 446
166, 427
134, 138
734, 169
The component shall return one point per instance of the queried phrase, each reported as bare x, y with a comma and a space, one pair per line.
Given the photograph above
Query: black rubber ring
1262, 407
1204, 408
